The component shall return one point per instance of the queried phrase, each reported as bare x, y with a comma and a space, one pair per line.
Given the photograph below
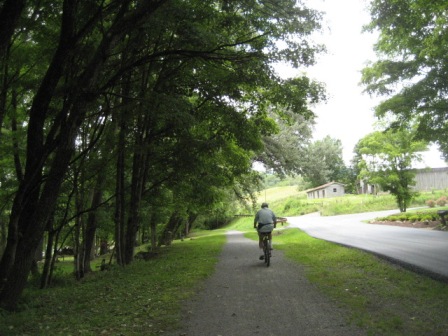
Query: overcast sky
348, 114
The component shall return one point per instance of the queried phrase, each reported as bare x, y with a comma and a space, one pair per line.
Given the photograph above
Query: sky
348, 114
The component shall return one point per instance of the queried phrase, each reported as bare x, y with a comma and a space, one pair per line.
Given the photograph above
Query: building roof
324, 186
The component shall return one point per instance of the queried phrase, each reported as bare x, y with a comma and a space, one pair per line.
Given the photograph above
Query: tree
323, 162
58, 108
387, 159
283, 151
186, 86
412, 70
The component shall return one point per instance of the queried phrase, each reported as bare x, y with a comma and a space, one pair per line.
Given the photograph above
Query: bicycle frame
266, 249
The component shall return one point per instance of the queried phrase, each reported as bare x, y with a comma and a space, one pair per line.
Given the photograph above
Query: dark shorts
263, 229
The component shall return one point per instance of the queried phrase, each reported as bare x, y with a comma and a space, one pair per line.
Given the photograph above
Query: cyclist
265, 221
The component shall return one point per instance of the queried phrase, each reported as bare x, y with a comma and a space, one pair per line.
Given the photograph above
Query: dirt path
233, 301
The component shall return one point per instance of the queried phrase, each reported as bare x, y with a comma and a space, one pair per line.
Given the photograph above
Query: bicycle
266, 248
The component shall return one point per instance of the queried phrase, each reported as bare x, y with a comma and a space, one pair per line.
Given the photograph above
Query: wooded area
126, 122
123, 121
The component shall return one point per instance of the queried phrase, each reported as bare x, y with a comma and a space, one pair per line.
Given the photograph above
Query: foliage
442, 201
413, 216
412, 68
273, 180
284, 151
299, 204
387, 159
143, 298
422, 197
323, 162
131, 120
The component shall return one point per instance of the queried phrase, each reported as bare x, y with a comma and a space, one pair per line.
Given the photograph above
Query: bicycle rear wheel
267, 252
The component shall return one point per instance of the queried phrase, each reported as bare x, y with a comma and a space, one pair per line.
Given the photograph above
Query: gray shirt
265, 216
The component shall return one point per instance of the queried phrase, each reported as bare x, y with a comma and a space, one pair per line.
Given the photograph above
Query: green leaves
386, 160
412, 70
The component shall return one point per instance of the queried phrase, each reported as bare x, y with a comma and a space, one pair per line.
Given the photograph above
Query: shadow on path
244, 297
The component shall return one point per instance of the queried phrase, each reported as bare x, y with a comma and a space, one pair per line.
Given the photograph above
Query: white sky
348, 114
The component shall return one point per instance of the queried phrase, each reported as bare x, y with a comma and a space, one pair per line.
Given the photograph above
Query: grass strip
383, 298
143, 298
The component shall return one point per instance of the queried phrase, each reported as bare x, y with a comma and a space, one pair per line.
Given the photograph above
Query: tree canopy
323, 162
412, 68
386, 160
150, 111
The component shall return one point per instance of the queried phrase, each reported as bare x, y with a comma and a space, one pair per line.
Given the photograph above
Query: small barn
332, 189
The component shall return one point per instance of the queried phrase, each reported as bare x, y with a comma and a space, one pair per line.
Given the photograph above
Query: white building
332, 189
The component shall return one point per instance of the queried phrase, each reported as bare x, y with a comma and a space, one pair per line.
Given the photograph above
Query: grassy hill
288, 201
278, 193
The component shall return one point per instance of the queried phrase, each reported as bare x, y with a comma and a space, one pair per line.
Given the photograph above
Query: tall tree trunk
25, 213
3, 235
120, 203
153, 226
32, 219
91, 226
36, 197
137, 183
189, 224
170, 229
10, 12
46, 271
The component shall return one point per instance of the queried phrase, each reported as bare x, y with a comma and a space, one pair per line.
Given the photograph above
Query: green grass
298, 204
143, 298
279, 193
382, 298
413, 215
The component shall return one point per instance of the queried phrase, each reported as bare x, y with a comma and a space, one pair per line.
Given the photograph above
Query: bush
427, 217
442, 201
431, 203
414, 218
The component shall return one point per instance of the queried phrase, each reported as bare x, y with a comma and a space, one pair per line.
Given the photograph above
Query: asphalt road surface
420, 249
244, 297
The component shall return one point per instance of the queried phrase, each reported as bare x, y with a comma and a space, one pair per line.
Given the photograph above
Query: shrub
414, 218
442, 201
431, 203
427, 217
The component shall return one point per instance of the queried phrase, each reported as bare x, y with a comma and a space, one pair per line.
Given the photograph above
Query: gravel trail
244, 297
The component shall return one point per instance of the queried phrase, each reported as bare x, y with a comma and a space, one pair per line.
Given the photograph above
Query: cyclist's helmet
264, 205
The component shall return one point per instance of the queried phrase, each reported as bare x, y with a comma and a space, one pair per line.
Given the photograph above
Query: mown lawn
143, 298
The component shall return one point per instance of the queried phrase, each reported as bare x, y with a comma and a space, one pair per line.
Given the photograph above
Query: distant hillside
277, 193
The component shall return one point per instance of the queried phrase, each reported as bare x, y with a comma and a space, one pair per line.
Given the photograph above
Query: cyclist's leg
260, 244
266, 250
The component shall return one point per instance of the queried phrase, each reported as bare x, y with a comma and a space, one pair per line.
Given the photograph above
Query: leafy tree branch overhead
411, 73
127, 100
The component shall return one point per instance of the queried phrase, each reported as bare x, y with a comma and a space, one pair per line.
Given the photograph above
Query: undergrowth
143, 298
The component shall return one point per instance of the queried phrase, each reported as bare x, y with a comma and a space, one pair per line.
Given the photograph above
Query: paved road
424, 250
244, 297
